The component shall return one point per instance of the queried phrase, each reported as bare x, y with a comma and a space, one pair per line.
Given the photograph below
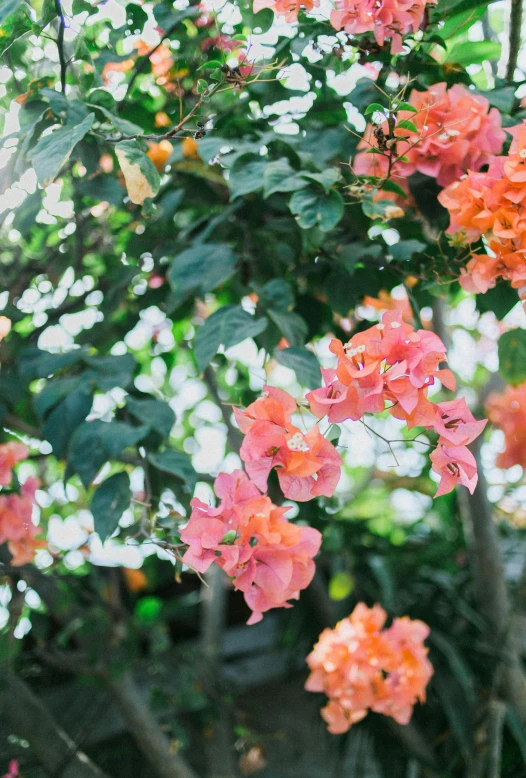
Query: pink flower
16, 525
456, 425
308, 465
455, 465
390, 19
10, 454
361, 667
268, 558
13, 770
456, 132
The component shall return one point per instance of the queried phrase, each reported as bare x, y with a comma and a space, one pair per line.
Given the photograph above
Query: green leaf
7, 7
512, 356
95, 442
109, 371
327, 178
405, 249
201, 269
407, 125
227, 326
460, 22
392, 186
140, 174
123, 125
406, 107
503, 99
177, 464
136, 18
276, 294
64, 419
291, 325
315, 208
279, 176
374, 108
246, 177
303, 362
53, 151
36, 363
109, 502
155, 414
474, 52
14, 26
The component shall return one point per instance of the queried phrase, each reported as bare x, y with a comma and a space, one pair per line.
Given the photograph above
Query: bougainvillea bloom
456, 132
388, 363
492, 204
287, 8
507, 411
455, 465
388, 19
268, 557
361, 667
16, 526
307, 464
10, 454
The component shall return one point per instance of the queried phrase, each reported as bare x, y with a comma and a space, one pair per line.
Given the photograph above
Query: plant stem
60, 45
514, 37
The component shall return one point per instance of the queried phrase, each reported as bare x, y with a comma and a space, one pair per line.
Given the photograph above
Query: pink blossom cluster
387, 19
268, 557
307, 464
456, 131
361, 667
391, 366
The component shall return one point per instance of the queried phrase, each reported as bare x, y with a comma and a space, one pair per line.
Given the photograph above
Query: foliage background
111, 307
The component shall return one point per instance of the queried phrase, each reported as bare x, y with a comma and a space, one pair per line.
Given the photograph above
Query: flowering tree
262, 277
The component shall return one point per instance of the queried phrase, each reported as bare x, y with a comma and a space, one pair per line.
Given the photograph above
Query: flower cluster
507, 410
492, 204
268, 557
390, 365
390, 19
456, 132
16, 526
308, 465
361, 667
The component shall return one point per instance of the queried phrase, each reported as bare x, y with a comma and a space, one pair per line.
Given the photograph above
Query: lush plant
239, 243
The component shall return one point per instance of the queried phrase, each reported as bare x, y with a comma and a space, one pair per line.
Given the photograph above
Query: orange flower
160, 153
189, 148
361, 667
507, 411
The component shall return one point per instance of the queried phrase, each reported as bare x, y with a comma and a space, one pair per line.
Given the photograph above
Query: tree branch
514, 37
30, 719
218, 747
60, 45
145, 730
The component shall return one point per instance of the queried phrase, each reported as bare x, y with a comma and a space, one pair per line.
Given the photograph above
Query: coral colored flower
389, 362
307, 464
507, 411
456, 425
456, 132
362, 667
386, 302
455, 465
16, 526
493, 204
269, 558
10, 454
287, 8
388, 19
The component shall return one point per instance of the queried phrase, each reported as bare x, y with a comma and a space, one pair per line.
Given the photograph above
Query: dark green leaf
312, 207
175, 463
201, 269
109, 502
155, 414
303, 362
512, 356
53, 151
